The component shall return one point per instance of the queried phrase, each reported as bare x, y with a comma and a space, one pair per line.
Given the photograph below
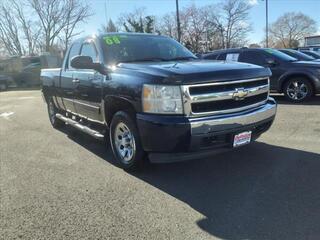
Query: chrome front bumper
225, 122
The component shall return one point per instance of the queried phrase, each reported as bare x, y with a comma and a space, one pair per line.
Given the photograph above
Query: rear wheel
52, 111
298, 89
125, 141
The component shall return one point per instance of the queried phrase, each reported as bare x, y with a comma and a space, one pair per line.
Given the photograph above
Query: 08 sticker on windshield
111, 40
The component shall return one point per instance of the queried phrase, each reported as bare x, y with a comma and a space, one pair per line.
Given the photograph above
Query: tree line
28, 27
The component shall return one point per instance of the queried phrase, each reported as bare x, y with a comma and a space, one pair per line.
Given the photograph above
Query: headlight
162, 99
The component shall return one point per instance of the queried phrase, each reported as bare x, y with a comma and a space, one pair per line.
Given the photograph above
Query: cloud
253, 2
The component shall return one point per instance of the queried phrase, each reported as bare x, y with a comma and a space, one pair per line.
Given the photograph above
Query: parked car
299, 55
152, 97
313, 54
311, 48
25, 71
5, 82
298, 80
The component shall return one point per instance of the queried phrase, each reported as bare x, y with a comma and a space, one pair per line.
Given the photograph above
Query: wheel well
113, 105
287, 78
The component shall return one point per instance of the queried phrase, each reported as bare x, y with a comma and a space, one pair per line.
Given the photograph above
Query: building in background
312, 43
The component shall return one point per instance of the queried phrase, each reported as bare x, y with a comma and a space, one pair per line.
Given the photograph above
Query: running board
81, 127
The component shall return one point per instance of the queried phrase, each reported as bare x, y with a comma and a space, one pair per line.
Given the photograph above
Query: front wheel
52, 111
125, 141
298, 89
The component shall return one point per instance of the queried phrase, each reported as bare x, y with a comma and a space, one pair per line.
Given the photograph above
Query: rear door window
222, 56
212, 56
232, 57
253, 57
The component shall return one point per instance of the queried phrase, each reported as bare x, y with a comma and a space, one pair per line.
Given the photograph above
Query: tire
125, 142
298, 89
52, 110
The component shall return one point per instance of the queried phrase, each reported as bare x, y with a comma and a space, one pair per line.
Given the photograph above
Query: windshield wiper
143, 60
180, 58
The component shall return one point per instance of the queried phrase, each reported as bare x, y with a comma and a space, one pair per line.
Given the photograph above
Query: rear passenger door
67, 84
88, 92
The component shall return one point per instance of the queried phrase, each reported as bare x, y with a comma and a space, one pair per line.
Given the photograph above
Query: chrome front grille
224, 97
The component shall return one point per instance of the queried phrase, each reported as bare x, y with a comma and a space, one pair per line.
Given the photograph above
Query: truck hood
197, 71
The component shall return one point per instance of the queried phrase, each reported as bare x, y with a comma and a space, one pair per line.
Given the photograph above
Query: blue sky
159, 7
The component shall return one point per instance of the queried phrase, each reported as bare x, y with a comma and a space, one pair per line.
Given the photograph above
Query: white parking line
26, 97
6, 115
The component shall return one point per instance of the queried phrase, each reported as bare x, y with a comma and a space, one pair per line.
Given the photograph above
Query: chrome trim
227, 82
228, 94
86, 104
188, 99
204, 125
80, 127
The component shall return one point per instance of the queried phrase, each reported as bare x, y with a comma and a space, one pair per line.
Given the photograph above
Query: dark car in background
298, 80
5, 82
299, 55
25, 71
313, 54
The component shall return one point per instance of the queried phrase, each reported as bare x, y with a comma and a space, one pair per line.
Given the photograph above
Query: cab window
74, 51
88, 49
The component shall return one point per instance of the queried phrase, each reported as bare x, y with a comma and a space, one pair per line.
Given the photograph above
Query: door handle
75, 80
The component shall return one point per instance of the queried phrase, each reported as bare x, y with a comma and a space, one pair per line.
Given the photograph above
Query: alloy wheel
124, 142
297, 90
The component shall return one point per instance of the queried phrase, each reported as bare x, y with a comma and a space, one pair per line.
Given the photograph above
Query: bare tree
194, 25
231, 21
75, 13
137, 21
59, 17
110, 27
9, 31
290, 29
167, 25
30, 28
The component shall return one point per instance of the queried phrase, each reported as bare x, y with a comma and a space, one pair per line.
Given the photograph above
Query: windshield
134, 48
313, 54
280, 55
298, 55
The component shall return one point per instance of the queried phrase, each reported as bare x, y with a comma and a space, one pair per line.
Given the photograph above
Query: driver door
88, 91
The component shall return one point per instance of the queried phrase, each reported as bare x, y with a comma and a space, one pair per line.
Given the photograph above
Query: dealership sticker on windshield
242, 139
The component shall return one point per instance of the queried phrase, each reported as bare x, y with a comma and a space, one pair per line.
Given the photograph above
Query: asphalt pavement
63, 184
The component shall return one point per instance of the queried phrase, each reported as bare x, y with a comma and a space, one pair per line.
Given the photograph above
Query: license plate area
242, 138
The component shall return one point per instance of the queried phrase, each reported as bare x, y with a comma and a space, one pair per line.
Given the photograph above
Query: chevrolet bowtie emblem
240, 94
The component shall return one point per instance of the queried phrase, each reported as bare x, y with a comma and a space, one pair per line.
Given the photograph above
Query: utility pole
267, 25
105, 11
178, 21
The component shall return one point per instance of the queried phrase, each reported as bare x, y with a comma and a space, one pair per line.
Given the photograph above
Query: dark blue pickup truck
153, 98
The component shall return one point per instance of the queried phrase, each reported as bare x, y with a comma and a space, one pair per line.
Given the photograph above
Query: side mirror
85, 62
271, 62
